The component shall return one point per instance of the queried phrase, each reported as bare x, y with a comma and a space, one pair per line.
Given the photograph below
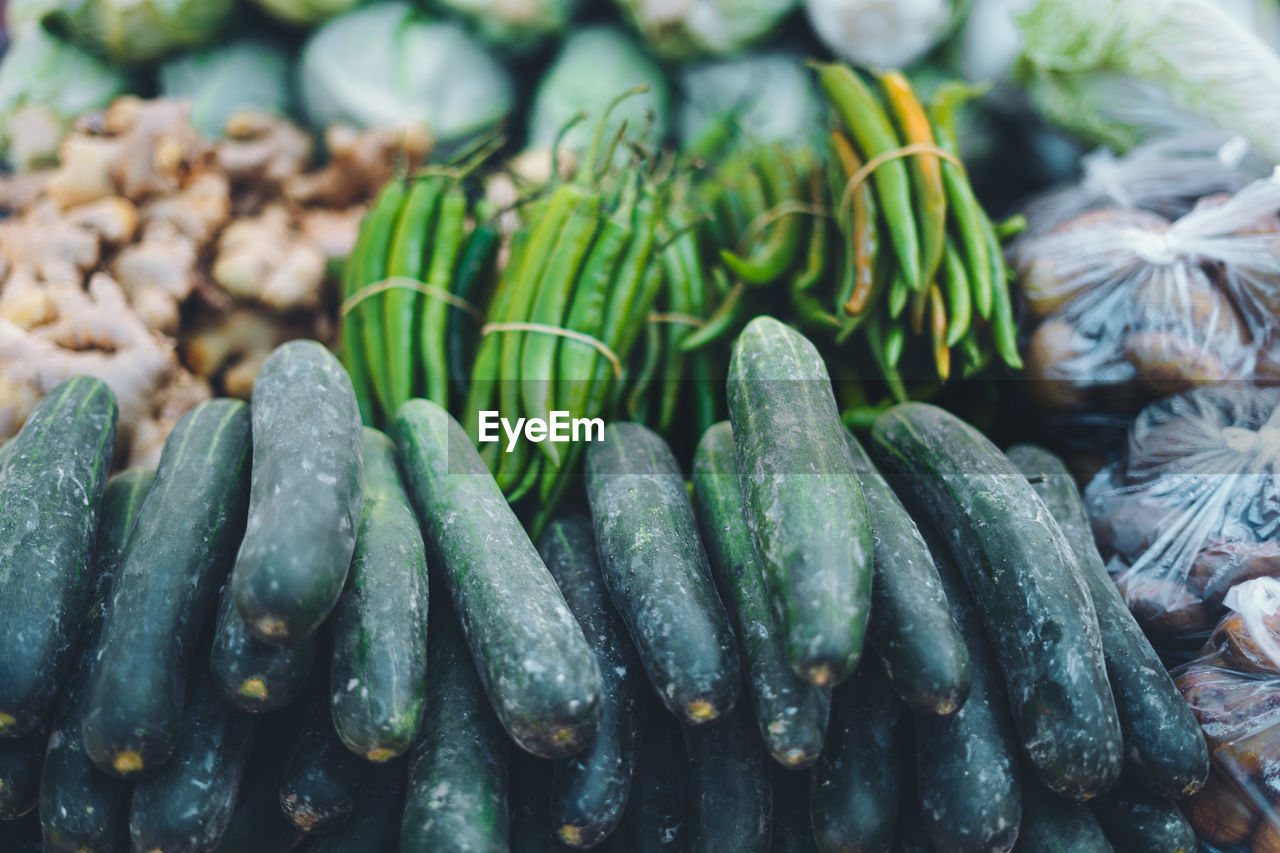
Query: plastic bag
1194, 506
1132, 306
1233, 688
1165, 175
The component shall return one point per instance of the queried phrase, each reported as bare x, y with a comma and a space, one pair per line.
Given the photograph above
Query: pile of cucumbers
299, 632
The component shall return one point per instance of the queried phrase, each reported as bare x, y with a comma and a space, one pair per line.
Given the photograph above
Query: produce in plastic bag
1132, 306
1194, 507
386, 66
1233, 688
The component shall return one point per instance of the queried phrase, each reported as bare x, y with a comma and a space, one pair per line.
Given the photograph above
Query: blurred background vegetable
386, 65
131, 31
305, 13
513, 25
765, 97
250, 73
882, 33
678, 30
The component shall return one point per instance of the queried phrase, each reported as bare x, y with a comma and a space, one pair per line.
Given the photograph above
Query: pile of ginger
168, 264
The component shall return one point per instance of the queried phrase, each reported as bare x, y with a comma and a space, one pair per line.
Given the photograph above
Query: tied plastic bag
1233, 688
1193, 508
1132, 306
1165, 175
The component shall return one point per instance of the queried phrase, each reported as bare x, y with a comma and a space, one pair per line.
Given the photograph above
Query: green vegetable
135, 31
54, 476
305, 13
376, 822
423, 72
657, 573
590, 790
306, 495
188, 803
657, 818
250, 73
537, 667
792, 714
80, 807
1028, 587
804, 506
457, 797
515, 27
182, 545
1134, 820
1055, 825
20, 760
683, 31
378, 678
45, 84
254, 676
882, 35
912, 630
593, 65
1164, 747
731, 782
766, 97
323, 780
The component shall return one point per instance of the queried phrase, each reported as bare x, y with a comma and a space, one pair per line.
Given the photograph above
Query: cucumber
912, 631
1137, 822
731, 782
379, 628
657, 574
376, 823
187, 805
534, 662
177, 556
254, 676
20, 760
323, 780
590, 790
81, 809
457, 796
657, 816
1056, 825
21, 835
305, 499
791, 712
1164, 746
1028, 587
54, 474
856, 783
792, 829
804, 505
966, 763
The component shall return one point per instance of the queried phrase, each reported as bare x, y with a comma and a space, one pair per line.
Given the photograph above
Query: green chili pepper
925, 170
353, 353
958, 298
447, 243
474, 271
773, 255
373, 270
1004, 327
410, 246
863, 116
877, 344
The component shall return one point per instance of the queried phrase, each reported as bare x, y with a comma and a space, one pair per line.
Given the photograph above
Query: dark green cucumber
21, 835
375, 826
804, 505
1137, 822
176, 558
1052, 824
305, 499
323, 781
656, 571
530, 802
792, 829
912, 631
536, 666
731, 783
187, 805
379, 628
1028, 587
55, 471
857, 781
254, 676
457, 796
1164, 746
657, 816
590, 790
791, 712
83, 810
967, 763
20, 760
